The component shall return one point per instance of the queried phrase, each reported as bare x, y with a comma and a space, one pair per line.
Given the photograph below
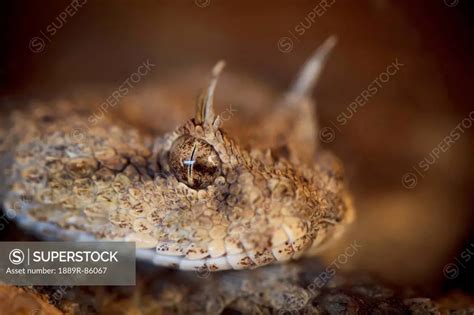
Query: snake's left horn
205, 106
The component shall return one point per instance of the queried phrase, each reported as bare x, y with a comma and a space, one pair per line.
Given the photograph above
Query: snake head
224, 207
192, 198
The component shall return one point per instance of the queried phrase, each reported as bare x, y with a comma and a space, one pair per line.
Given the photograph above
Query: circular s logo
409, 180
37, 44
16, 256
285, 44
327, 134
451, 3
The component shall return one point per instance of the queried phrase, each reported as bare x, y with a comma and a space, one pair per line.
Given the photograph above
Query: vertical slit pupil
194, 162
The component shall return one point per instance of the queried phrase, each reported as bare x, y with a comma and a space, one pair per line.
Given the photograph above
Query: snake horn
294, 118
311, 70
205, 106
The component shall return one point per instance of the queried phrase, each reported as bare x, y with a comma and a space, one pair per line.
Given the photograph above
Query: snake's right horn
311, 71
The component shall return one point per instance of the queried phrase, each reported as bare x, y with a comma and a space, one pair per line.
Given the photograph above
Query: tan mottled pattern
67, 177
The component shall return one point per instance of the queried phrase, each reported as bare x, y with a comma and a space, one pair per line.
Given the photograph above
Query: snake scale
191, 198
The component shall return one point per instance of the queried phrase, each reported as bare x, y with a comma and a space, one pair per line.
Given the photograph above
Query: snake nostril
48, 119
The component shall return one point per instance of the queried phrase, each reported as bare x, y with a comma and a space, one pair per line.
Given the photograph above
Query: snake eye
194, 162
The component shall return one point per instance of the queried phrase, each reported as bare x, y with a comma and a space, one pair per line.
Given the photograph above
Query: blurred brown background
408, 235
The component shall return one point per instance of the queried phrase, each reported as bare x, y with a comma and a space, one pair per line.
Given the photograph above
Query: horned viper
191, 198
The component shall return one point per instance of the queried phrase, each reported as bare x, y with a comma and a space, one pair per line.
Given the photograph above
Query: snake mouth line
288, 248
247, 259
